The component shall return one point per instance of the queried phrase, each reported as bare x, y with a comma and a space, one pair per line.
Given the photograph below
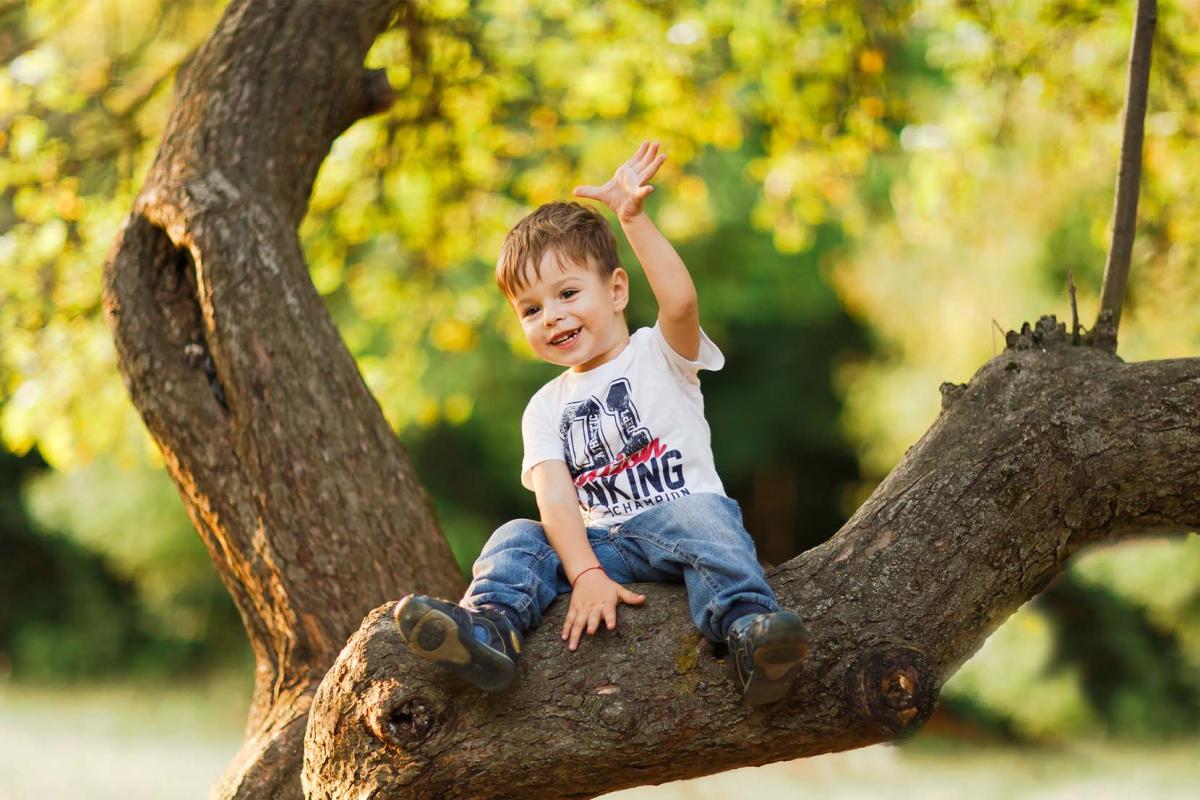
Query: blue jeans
697, 539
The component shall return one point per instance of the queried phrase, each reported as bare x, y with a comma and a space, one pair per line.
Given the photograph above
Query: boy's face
571, 316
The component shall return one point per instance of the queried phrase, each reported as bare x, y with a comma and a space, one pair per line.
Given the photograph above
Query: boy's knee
517, 534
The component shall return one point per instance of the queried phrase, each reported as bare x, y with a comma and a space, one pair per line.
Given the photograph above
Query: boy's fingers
592, 192
593, 624
566, 631
610, 618
633, 598
649, 170
651, 155
576, 630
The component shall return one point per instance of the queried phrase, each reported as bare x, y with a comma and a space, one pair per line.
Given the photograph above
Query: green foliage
132, 518
1002, 182
104, 575
1012, 676
1137, 676
84, 99
89, 612
497, 112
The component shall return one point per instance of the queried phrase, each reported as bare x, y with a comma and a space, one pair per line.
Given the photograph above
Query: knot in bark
403, 715
1046, 332
617, 716
1104, 335
894, 688
397, 715
951, 392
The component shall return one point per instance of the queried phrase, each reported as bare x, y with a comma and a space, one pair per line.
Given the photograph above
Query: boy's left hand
624, 192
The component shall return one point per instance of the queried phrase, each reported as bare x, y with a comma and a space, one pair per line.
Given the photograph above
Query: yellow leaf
870, 62
452, 336
457, 408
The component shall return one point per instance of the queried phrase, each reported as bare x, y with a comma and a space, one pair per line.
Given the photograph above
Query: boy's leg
516, 577
517, 572
699, 539
481, 647
479, 638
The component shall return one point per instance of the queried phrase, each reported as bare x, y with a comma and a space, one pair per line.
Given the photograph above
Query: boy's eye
569, 292
529, 311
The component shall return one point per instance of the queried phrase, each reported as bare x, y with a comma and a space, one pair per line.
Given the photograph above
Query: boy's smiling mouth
565, 340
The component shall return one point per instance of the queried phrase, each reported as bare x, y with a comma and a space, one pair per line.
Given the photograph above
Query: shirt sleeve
710, 356
539, 434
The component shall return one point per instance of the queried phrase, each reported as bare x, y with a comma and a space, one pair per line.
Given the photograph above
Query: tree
313, 516
286, 465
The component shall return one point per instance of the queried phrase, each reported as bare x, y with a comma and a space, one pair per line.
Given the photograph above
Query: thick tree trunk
1050, 448
286, 465
313, 516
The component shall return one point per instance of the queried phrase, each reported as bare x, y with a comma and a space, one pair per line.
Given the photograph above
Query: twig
1116, 270
1074, 308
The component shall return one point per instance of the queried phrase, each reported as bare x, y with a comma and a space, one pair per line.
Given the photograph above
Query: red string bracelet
589, 569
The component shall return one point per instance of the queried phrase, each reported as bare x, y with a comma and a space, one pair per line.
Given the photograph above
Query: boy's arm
678, 309
594, 596
558, 505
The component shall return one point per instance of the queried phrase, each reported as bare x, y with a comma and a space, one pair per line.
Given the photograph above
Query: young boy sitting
618, 453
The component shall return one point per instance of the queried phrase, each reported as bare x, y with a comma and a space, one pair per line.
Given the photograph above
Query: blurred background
867, 195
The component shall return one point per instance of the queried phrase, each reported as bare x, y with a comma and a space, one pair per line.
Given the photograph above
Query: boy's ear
620, 289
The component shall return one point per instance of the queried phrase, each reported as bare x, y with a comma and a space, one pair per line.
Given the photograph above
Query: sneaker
765, 653
481, 647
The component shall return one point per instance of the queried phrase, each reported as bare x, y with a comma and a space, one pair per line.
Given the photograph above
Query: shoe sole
433, 635
777, 662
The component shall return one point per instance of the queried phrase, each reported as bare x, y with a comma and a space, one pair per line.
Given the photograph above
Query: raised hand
626, 190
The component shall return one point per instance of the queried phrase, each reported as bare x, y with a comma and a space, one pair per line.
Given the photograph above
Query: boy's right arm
595, 596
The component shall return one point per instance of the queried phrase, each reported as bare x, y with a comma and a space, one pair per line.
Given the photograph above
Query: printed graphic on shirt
617, 464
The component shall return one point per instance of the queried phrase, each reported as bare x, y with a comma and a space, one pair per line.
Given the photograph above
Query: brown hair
574, 231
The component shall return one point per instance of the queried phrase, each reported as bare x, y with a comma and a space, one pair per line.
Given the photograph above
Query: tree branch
1074, 308
1129, 177
1048, 449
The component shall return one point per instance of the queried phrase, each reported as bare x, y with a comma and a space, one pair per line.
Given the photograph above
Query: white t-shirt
631, 431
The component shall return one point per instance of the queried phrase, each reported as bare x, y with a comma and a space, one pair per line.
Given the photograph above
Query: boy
621, 437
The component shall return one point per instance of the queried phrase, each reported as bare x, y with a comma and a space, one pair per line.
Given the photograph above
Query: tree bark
1050, 448
286, 465
313, 516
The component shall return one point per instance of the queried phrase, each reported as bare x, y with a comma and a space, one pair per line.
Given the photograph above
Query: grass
932, 768
121, 740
